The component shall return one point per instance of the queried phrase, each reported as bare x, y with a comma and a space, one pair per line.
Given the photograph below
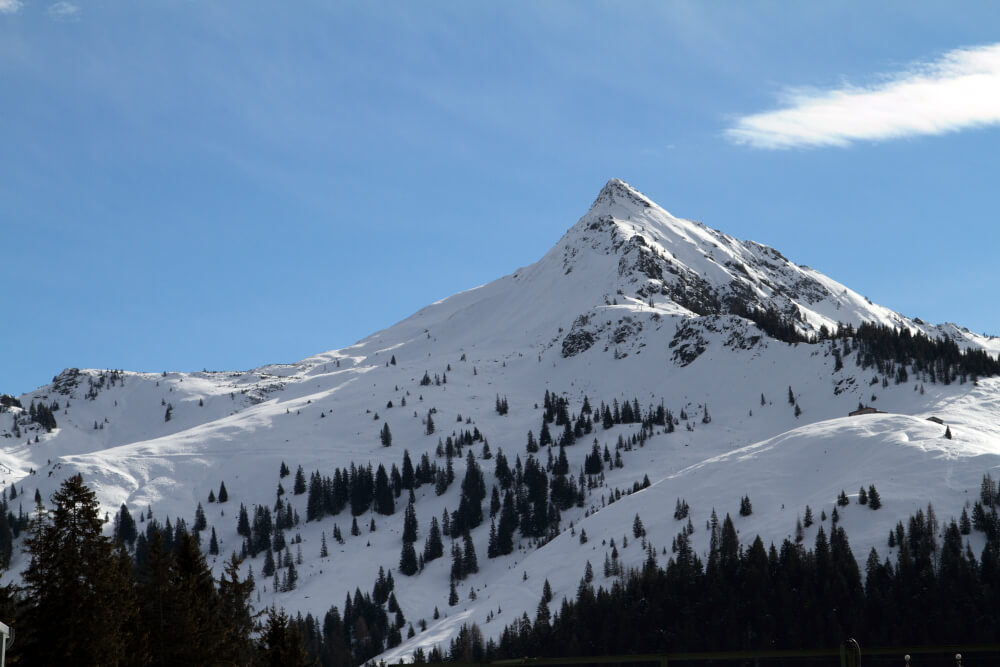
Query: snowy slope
631, 303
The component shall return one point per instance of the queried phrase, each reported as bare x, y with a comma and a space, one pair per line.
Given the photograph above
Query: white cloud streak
10, 6
960, 90
64, 11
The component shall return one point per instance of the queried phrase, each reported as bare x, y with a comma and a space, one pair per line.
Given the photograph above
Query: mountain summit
643, 360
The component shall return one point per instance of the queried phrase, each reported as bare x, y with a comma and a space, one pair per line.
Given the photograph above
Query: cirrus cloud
958, 91
64, 11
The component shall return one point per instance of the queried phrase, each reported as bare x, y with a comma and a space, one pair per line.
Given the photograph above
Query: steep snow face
664, 258
632, 304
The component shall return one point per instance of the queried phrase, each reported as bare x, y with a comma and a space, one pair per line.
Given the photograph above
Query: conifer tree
281, 642
433, 546
223, 494
470, 564
81, 602
243, 522
200, 523
410, 524
269, 567
408, 560
637, 528
125, 529
193, 632
236, 615
874, 499
299, 486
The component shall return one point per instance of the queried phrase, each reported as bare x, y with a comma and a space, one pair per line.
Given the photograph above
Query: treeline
884, 347
86, 601
783, 597
890, 350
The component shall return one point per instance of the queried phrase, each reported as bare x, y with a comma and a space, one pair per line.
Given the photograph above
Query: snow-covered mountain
632, 305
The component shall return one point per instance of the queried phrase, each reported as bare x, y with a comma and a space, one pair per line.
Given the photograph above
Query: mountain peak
617, 195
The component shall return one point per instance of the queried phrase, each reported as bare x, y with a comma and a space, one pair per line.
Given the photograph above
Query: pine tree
243, 522
637, 528
183, 618
470, 564
200, 523
874, 499
965, 526
213, 544
269, 567
457, 562
433, 546
410, 524
385, 435
125, 529
75, 584
235, 615
408, 560
429, 425
300, 482
452, 595
281, 642
324, 552
223, 494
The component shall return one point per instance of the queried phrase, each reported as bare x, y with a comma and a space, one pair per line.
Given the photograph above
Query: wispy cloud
63, 11
10, 6
958, 91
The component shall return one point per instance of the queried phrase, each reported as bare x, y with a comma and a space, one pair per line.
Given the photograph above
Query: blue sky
193, 184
